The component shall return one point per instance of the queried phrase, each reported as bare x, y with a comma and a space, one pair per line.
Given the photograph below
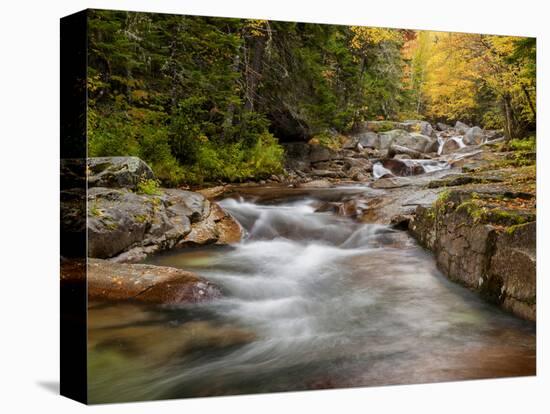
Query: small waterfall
378, 170
459, 139
406, 167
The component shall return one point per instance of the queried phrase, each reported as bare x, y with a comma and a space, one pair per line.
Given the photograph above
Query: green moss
474, 210
443, 196
140, 218
111, 225
510, 230
506, 217
384, 126
95, 211
148, 186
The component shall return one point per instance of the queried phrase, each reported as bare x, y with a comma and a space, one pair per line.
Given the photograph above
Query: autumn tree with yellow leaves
484, 79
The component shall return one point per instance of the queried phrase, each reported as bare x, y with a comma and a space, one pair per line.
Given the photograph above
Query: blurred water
311, 300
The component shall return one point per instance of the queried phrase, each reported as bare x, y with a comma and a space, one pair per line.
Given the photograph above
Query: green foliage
148, 186
528, 144
329, 140
95, 210
235, 162
206, 99
166, 89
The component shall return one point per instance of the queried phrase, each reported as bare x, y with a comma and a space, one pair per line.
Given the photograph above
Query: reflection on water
311, 301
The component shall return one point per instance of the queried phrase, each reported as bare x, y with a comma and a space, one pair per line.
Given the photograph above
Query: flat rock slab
108, 281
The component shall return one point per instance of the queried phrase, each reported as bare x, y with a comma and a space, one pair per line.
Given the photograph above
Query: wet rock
218, 228
108, 281
513, 266
385, 183
473, 136
316, 184
117, 172
362, 164
414, 141
212, 192
442, 127
395, 149
401, 221
472, 248
402, 168
449, 146
327, 173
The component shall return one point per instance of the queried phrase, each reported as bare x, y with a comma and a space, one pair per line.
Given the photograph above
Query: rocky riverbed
230, 275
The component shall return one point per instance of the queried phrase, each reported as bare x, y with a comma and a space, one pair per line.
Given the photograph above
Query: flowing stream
311, 301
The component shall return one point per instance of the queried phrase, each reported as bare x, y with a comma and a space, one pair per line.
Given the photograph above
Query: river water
311, 301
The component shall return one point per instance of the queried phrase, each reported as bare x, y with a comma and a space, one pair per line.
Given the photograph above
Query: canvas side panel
73, 383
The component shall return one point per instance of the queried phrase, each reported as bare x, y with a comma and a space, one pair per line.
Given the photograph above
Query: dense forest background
205, 99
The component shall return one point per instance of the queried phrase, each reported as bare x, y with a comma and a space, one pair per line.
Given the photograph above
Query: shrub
526, 144
148, 186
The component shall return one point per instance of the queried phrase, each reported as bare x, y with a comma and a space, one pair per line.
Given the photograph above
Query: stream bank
310, 281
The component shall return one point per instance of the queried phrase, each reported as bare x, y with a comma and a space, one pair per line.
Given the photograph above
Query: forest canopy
206, 99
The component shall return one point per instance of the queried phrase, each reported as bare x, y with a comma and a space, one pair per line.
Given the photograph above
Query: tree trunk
508, 117
230, 113
254, 71
528, 97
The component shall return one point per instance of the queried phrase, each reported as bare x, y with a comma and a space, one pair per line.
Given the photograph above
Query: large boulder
421, 127
450, 145
367, 139
117, 172
442, 127
397, 151
473, 136
130, 226
218, 227
461, 127
402, 168
299, 155
412, 140
108, 281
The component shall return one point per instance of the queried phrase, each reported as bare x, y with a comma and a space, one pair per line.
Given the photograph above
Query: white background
29, 114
